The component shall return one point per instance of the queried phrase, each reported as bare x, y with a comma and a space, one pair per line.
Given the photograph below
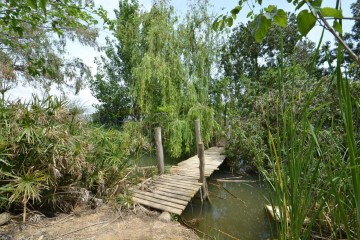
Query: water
149, 159
228, 217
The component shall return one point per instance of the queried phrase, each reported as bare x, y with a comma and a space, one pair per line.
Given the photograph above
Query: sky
88, 54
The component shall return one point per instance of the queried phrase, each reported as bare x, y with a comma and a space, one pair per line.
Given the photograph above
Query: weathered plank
177, 185
157, 206
169, 194
182, 180
175, 188
191, 185
185, 179
174, 191
138, 193
160, 201
195, 181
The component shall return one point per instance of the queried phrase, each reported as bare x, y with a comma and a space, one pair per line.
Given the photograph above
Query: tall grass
314, 163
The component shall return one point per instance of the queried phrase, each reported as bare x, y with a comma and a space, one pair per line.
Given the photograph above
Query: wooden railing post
201, 155
202, 179
159, 151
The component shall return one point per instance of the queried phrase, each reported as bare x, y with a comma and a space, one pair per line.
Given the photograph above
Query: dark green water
242, 217
149, 159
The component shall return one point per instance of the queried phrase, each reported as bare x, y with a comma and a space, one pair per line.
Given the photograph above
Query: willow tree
172, 79
160, 75
166, 63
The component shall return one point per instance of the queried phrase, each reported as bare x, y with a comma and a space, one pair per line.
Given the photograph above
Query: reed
313, 162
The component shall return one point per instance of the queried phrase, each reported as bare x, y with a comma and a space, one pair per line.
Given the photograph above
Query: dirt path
100, 224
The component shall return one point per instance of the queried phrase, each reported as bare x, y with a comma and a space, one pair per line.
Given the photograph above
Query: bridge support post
159, 150
197, 134
200, 150
202, 179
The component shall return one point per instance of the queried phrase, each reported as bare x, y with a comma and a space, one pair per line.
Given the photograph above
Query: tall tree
165, 63
114, 81
244, 60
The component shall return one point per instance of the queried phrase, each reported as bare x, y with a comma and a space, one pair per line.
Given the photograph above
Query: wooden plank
159, 201
185, 178
172, 184
188, 178
181, 179
176, 196
172, 190
157, 206
210, 163
162, 197
194, 172
192, 175
177, 185
171, 187
193, 181
195, 167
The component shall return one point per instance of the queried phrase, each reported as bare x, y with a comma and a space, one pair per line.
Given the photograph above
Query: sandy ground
101, 224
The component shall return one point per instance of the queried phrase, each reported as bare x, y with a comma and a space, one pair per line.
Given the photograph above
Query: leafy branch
339, 39
305, 20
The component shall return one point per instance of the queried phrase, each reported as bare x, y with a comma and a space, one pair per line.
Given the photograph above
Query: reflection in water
149, 159
237, 210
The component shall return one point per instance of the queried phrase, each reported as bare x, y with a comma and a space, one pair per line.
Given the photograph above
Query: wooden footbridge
172, 192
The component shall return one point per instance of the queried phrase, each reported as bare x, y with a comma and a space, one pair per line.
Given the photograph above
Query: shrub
49, 155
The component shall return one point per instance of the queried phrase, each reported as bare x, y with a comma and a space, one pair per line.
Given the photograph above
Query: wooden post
159, 151
197, 134
202, 179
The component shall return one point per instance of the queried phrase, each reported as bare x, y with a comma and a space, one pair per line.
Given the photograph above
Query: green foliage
33, 40
271, 14
180, 137
125, 200
246, 143
311, 133
306, 21
134, 139
261, 27
294, 135
113, 83
49, 154
157, 72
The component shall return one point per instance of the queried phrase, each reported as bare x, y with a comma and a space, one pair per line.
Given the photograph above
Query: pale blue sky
221, 7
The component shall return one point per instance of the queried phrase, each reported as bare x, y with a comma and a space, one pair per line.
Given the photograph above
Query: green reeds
314, 163
346, 107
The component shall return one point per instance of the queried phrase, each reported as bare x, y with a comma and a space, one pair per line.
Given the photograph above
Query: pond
235, 210
149, 159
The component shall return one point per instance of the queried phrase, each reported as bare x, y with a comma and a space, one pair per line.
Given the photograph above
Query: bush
49, 155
